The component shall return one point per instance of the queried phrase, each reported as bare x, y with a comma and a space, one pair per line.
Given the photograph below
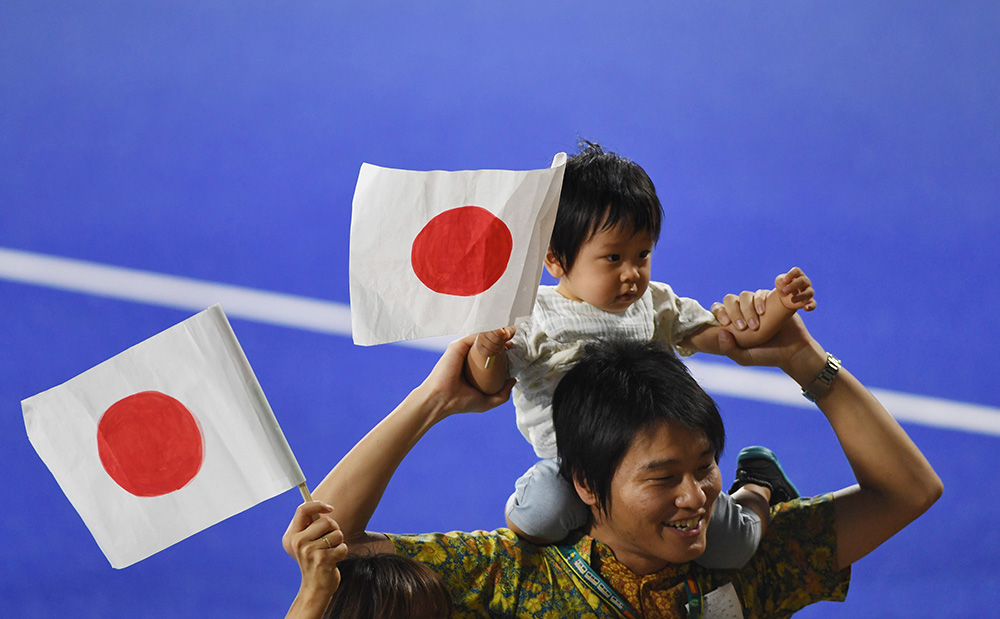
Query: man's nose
690, 494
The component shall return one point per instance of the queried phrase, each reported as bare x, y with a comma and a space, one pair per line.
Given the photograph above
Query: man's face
661, 499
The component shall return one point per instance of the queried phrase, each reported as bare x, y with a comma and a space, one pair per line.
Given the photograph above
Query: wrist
806, 364
426, 406
310, 601
824, 380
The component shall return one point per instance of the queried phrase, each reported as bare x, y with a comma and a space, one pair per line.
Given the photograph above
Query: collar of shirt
660, 594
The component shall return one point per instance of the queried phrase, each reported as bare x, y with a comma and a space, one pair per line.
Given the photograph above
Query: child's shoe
758, 465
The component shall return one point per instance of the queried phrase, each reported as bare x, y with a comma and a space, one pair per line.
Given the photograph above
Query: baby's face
611, 270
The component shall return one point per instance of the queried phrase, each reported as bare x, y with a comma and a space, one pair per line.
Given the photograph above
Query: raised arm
754, 318
895, 485
355, 486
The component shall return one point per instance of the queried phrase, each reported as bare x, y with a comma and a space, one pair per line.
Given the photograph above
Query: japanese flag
444, 253
163, 440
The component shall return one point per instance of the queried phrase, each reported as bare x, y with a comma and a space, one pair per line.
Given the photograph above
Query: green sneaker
758, 465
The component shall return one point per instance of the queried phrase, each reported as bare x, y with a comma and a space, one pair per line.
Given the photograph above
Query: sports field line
335, 318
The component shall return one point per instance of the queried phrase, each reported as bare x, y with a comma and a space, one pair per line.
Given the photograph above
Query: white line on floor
335, 319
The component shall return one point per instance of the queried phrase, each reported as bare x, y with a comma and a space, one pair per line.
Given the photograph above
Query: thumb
503, 395
729, 347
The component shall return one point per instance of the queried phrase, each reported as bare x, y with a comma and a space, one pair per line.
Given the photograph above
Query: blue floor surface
221, 142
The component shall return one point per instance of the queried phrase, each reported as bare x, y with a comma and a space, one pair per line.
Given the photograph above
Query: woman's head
387, 586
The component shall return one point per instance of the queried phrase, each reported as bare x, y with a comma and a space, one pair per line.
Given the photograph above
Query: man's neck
635, 560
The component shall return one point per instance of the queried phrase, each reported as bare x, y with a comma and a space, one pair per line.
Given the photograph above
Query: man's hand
448, 389
792, 349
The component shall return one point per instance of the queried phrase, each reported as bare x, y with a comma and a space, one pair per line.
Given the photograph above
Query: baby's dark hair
385, 586
600, 191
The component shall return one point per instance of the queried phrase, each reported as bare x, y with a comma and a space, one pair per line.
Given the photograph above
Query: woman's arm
896, 484
355, 486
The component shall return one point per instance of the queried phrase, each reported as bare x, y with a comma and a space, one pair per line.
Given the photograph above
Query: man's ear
584, 492
553, 265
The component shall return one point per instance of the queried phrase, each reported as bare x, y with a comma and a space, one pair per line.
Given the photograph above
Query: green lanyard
696, 601
579, 566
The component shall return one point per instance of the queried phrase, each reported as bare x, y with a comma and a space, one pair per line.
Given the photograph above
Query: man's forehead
665, 444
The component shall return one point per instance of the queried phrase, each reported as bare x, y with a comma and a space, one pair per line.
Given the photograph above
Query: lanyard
696, 601
579, 566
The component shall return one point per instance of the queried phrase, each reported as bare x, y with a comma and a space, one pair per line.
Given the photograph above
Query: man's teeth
685, 525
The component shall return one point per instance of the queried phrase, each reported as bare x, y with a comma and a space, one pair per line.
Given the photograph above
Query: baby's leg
734, 533
544, 507
740, 518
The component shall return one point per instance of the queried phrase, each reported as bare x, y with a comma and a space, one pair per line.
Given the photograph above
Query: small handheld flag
163, 440
443, 253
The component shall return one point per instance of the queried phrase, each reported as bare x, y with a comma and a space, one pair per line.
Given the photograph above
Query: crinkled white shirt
550, 340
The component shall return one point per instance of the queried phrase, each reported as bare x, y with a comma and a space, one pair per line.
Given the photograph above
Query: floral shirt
496, 574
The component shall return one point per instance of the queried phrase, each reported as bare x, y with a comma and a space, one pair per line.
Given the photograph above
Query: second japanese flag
163, 440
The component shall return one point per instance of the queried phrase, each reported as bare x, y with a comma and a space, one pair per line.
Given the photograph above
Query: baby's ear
553, 265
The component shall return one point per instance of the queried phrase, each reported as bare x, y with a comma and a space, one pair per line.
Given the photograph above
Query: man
650, 482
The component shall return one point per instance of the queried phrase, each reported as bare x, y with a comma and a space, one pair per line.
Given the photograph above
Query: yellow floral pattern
496, 574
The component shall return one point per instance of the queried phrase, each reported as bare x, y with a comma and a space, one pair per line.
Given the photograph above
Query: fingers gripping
796, 290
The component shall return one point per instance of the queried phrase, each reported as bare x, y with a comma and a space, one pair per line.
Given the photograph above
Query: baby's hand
492, 343
795, 290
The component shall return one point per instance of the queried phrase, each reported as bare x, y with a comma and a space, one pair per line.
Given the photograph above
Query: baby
606, 226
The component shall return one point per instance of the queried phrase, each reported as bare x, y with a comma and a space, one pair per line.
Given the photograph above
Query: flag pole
305, 493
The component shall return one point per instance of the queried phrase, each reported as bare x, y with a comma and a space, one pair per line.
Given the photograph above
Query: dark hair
602, 190
618, 389
384, 586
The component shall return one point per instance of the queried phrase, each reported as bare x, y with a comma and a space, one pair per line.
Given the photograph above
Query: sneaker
759, 465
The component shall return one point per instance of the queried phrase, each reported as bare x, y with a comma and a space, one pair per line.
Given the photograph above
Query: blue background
221, 141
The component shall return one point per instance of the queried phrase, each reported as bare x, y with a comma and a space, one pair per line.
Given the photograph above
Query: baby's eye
645, 253
613, 257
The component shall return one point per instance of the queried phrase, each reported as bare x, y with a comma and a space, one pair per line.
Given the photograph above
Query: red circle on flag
150, 444
462, 251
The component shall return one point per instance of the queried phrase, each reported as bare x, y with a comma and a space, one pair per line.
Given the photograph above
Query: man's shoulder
497, 573
796, 563
499, 544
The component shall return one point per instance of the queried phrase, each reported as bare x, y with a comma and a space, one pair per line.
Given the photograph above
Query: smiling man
640, 441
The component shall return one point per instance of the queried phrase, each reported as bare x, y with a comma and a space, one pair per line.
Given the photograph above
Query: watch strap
821, 384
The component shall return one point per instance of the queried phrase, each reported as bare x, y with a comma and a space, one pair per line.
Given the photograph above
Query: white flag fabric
163, 440
444, 253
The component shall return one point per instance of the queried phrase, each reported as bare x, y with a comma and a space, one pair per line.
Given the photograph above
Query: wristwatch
821, 384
